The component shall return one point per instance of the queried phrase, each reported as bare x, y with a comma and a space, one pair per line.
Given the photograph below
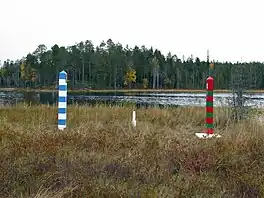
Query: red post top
210, 83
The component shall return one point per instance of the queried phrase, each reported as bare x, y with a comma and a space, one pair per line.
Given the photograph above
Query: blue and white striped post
62, 101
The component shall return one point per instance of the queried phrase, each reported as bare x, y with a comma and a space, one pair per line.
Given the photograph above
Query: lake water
170, 99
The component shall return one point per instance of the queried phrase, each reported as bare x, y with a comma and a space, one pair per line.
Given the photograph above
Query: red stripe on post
210, 83
210, 131
209, 120
210, 109
209, 98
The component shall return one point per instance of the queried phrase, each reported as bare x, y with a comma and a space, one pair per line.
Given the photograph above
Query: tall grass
101, 155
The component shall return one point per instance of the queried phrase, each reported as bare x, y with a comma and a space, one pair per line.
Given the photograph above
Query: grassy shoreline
101, 155
128, 90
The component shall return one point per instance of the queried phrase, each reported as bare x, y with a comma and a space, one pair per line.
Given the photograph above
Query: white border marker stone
62, 101
206, 136
134, 122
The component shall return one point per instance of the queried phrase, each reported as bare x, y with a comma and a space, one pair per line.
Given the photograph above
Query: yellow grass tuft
101, 155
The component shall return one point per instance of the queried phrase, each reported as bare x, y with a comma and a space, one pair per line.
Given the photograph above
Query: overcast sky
230, 29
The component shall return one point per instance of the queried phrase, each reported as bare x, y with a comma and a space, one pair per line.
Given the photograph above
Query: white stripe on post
62, 116
62, 105
63, 93
62, 101
62, 82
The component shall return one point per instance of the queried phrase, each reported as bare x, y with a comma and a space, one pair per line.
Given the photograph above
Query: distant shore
127, 90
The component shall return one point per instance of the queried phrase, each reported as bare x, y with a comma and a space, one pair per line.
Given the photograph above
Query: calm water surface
182, 99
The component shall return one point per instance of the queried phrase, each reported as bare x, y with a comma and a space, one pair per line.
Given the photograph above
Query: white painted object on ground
206, 136
134, 122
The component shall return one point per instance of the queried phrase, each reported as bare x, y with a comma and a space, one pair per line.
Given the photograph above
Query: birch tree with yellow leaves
27, 74
130, 77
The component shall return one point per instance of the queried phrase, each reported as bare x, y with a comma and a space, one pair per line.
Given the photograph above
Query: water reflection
31, 97
193, 99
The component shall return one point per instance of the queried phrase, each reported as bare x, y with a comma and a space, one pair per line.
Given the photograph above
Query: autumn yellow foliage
27, 73
130, 76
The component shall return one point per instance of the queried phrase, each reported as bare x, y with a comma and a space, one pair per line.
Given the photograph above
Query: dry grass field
101, 155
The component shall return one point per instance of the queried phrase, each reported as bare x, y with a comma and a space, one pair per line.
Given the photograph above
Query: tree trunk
158, 79
178, 78
83, 72
154, 79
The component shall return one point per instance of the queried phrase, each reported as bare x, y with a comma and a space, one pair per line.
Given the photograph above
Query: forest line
113, 66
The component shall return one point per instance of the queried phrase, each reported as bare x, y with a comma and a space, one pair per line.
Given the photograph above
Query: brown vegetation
101, 155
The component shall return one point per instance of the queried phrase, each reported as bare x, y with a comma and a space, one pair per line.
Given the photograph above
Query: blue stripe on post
62, 75
62, 99
62, 87
62, 110
62, 122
